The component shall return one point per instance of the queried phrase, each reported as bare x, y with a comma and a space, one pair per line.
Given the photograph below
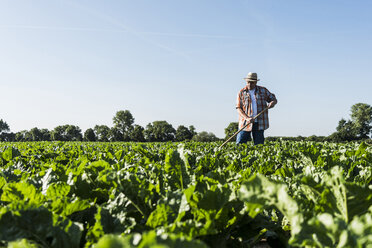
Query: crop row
292, 194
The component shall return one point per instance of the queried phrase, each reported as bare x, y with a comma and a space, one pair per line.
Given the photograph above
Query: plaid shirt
243, 101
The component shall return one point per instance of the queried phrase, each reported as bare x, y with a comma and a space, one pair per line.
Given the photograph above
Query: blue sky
78, 62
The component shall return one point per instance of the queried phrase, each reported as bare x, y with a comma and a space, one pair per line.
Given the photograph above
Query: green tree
45, 134
73, 133
18, 136
183, 133
115, 135
10, 137
67, 133
58, 133
205, 137
137, 134
23, 135
36, 134
123, 121
102, 132
28, 136
361, 116
316, 138
359, 127
345, 132
231, 129
159, 131
3, 127
89, 135
192, 130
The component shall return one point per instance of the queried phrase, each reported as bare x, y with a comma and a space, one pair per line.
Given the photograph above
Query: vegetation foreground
291, 194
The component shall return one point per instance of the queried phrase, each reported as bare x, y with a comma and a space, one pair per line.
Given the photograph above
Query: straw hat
252, 76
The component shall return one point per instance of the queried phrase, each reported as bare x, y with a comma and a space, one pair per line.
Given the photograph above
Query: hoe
224, 143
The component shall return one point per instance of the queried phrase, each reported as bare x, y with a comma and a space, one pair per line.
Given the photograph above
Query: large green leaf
10, 153
176, 170
23, 243
39, 225
21, 191
148, 240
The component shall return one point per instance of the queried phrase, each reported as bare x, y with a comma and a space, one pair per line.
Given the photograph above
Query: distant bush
205, 137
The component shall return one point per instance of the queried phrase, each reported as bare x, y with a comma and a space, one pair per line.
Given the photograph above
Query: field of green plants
290, 194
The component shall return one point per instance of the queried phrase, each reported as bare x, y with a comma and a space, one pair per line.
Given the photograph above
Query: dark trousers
245, 136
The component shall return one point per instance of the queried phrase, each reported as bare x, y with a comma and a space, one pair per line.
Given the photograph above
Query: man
251, 100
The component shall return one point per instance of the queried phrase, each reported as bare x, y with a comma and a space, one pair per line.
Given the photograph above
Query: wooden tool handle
224, 143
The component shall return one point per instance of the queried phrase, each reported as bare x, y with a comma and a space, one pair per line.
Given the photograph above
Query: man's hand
272, 104
249, 119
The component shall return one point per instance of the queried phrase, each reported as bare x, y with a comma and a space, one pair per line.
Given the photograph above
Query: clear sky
79, 62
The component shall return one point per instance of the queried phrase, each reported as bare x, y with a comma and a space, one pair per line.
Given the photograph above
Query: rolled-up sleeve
239, 102
270, 96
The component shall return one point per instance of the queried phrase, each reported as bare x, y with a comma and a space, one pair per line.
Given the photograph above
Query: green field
290, 194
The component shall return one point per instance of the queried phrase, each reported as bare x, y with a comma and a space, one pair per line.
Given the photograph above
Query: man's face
251, 84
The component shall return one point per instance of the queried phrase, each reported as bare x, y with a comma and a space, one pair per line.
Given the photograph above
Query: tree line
357, 128
123, 129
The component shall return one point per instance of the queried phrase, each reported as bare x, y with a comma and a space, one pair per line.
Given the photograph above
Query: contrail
53, 28
193, 35
113, 21
120, 31
207, 36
